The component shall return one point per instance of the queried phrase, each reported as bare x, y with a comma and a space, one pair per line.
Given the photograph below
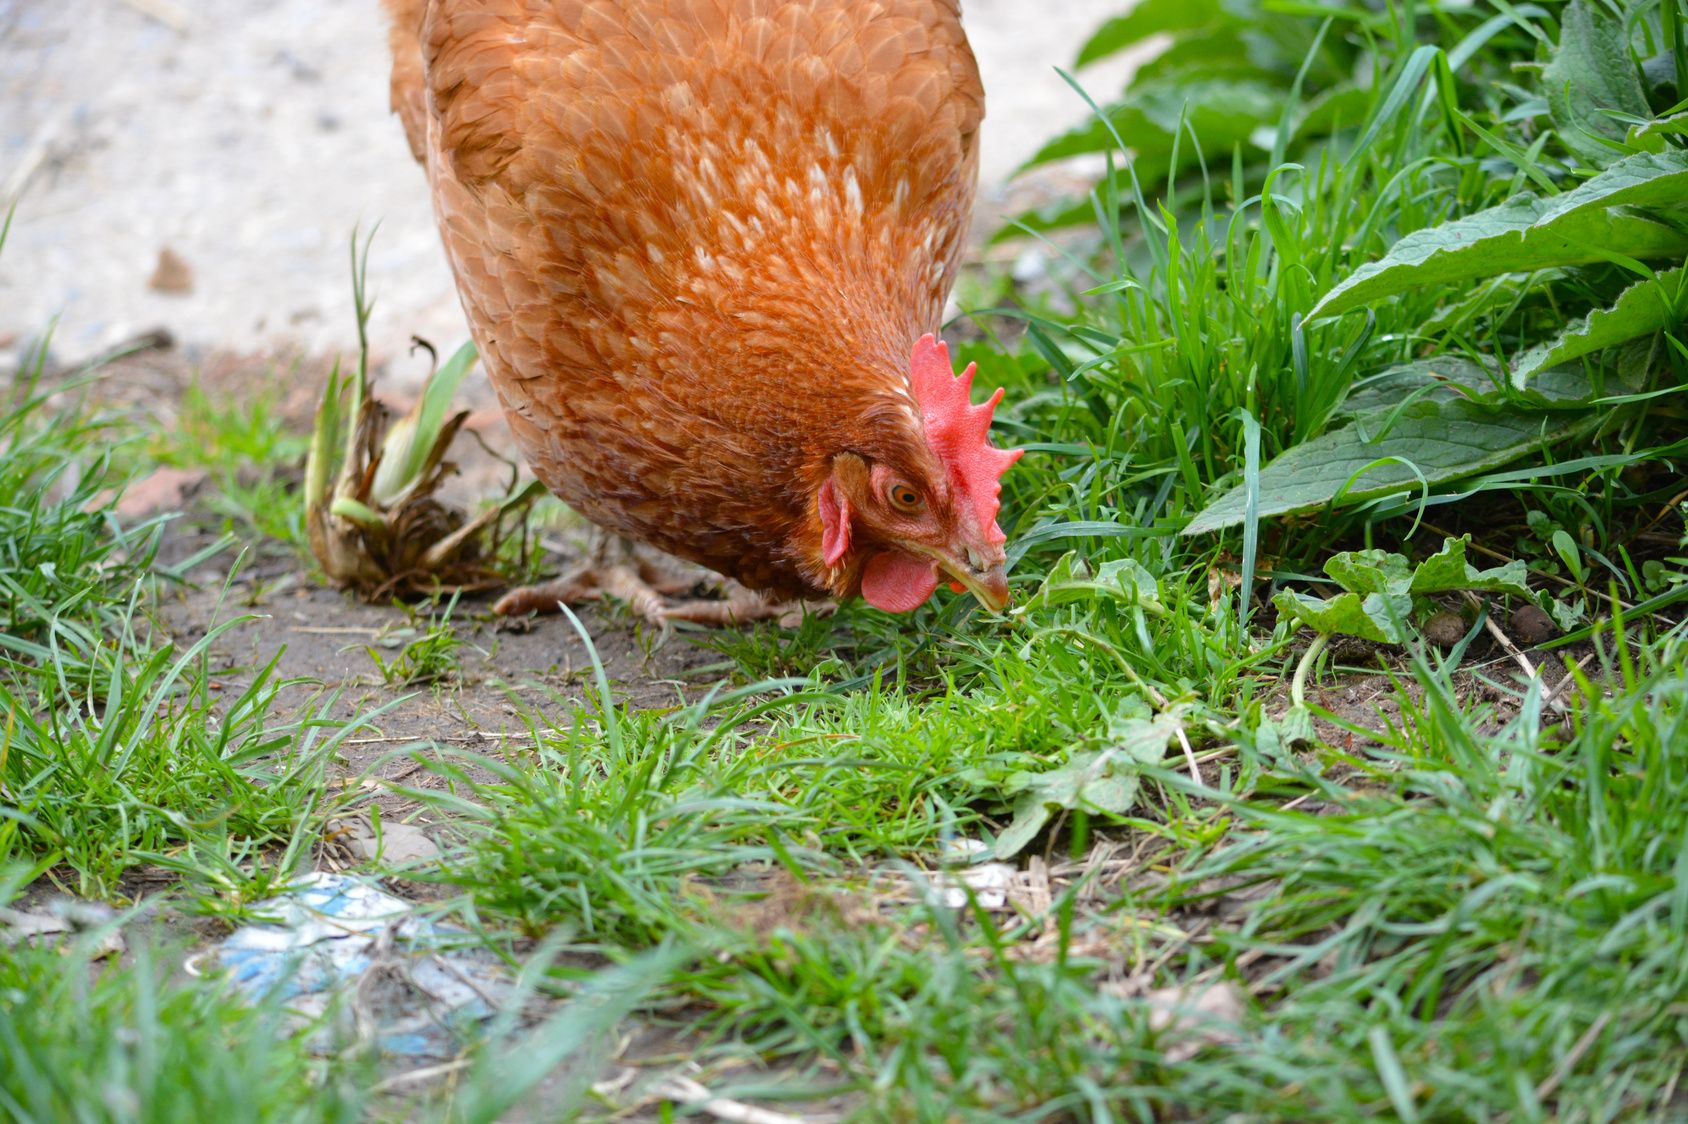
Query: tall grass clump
116, 751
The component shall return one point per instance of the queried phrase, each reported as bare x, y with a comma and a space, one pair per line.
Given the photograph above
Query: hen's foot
742, 606
646, 587
620, 580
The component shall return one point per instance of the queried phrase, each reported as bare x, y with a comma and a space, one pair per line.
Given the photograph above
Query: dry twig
1518, 657
694, 1095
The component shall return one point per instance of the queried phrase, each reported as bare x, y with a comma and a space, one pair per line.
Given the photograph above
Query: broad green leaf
1661, 74
1587, 224
1675, 125
1567, 615
1381, 617
1569, 553
1143, 735
1448, 570
1446, 378
1278, 737
1590, 75
1381, 571
1070, 580
1371, 571
1338, 107
1222, 112
1150, 17
1640, 310
1443, 441
1652, 135
1199, 56
1637, 361
1095, 781
1451, 378
1147, 140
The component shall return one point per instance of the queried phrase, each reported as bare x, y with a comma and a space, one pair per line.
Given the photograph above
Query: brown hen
702, 245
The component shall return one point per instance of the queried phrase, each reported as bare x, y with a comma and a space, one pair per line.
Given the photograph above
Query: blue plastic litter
419, 992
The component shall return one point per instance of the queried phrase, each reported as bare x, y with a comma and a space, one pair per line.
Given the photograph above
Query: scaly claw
644, 586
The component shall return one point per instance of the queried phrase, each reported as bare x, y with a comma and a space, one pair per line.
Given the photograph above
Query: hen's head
916, 498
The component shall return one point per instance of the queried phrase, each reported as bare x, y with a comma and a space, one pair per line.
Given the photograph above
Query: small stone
1030, 266
62, 921
1194, 1019
1531, 626
397, 844
1445, 629
172, 274
165, 488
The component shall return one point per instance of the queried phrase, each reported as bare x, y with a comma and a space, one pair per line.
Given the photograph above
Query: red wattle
898, 583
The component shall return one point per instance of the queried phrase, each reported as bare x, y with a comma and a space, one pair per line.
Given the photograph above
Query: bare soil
322, 639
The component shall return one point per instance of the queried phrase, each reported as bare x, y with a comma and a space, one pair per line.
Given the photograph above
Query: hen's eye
904, 498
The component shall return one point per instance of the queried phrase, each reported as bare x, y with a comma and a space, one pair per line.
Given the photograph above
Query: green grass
116, 750
425, 651
68, 561
1431, 890
89, 1039
84, 1040
250, 458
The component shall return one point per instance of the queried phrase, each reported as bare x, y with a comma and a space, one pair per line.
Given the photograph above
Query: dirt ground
331, 645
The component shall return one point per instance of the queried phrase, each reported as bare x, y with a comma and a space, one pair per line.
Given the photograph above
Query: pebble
1445, 629
1531, 626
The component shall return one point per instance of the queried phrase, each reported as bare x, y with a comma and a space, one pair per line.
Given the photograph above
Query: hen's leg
645, 586
741, 606
614, 571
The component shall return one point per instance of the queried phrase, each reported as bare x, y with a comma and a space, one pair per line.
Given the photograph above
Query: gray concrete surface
251, 136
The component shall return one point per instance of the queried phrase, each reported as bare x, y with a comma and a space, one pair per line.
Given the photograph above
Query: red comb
959, 432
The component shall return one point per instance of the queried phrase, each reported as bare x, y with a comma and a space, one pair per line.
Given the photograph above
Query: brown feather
407, 85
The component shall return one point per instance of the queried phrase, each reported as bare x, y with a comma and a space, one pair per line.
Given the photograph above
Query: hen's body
695, 240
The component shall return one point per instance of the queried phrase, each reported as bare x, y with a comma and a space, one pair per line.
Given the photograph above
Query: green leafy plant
426, 651
1101, 781
1613, 243
1228, 76
371, 511
1384, 591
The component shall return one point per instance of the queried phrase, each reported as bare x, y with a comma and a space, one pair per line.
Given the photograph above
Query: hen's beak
981, 573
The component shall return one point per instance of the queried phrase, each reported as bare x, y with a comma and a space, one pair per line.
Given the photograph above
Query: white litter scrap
961, 849
988, 882
336, 938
